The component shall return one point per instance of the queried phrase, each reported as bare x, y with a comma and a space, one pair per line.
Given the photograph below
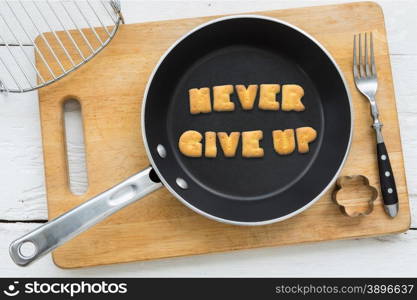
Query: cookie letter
291, 97
222, 98
250, 144
199, 101
267, 97
284, 141
210, 148
305, 135
247, 95
190, 143
229, 143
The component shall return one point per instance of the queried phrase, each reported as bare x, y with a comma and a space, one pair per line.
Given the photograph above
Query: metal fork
365, 75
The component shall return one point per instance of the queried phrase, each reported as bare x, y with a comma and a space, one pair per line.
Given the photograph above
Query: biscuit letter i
210, 149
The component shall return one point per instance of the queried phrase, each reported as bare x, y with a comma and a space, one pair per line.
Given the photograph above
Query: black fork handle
386, 178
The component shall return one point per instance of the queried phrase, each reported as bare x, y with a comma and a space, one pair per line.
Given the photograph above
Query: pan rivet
182, 183
161, 151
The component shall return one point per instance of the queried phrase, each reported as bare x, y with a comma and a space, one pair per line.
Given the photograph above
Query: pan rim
185, 202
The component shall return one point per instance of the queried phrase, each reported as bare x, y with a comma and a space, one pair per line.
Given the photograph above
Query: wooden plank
158, 226
21, 173
20, 142
391, 255
22, 162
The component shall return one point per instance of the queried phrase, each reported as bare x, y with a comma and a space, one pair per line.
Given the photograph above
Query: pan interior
248, 50
245, 178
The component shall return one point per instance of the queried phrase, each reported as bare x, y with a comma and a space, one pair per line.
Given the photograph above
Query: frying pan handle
65, 227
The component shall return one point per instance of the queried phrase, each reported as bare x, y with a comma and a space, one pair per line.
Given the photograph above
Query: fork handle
387, 181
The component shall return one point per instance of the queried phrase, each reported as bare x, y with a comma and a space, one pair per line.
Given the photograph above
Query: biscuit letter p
190, 143
305, 135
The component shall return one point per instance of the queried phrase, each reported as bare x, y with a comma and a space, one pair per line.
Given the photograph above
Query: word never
200, 99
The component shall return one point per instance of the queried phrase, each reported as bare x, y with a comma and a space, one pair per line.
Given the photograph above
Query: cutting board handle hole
75, 146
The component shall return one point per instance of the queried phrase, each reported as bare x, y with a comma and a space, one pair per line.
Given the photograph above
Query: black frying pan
231, 50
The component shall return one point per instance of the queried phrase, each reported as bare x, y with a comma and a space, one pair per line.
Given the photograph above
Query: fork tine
367, 64
360, 49
361, 69
373, 66
355, 65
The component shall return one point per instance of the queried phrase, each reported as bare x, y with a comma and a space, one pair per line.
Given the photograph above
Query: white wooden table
22, 190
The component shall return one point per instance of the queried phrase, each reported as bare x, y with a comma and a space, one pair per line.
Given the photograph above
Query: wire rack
43, 41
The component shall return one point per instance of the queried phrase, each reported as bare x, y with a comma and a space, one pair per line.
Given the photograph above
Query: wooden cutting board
110, 90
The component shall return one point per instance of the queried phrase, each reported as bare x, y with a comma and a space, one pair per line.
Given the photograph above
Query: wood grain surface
110, 90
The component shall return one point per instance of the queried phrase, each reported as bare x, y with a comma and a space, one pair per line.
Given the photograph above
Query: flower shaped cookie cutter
355, 195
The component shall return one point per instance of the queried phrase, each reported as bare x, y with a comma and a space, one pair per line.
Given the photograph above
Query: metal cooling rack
60, 36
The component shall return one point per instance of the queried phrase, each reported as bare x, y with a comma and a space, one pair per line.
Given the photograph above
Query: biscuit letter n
247, 95
305, 135
291, 97
250, 144
229, 143
284, 141
221, 96
190, 143
267, 97
199, 101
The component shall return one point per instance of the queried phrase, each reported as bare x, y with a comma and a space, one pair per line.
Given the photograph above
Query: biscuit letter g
200, 101
190, 143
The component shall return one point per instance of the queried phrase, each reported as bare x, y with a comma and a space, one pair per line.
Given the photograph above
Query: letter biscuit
199, 101
210, 149
250, 144
305, 135
190, 143
229, 143
222, 98
267, 97
291, 97
284, 141
247, 95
